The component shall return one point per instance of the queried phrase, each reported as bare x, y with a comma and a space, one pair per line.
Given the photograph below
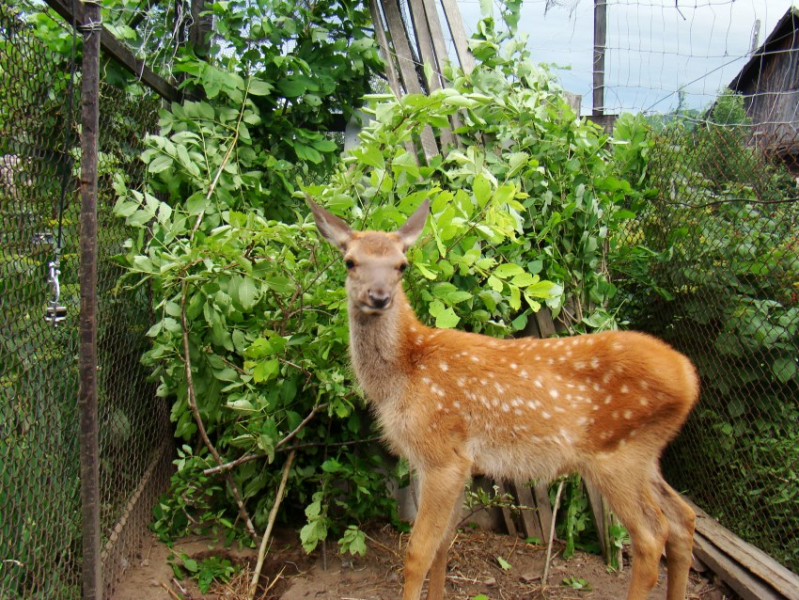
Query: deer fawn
603, 404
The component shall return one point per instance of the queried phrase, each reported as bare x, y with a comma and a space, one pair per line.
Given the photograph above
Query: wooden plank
407, 68
440, 47
546, 325
740, 580
507, 516
531, 521
459, 37
391, 70
750, 558
600, 518
114, 48
541, 492
425, 40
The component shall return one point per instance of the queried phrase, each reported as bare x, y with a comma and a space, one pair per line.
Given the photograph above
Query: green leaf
160, 163
246, 291
785, 368
197, 203
504, 563
445, 316
259, 87
482, 190
265, 370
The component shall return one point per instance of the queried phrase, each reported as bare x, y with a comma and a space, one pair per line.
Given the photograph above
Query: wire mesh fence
40, 529
726, 222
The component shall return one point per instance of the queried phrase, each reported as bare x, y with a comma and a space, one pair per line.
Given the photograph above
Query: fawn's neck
378, 348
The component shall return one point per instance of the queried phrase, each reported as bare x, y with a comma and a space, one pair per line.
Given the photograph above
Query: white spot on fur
608, 398
628, 414
595, 363
624, 389
444, 367
545, 414
643, 401
553, 392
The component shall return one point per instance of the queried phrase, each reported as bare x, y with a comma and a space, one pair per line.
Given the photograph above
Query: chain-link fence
726, 225
40, 500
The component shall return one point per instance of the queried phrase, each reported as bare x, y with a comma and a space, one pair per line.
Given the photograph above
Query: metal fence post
87, 396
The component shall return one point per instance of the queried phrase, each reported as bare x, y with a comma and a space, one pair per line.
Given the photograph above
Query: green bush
254, 308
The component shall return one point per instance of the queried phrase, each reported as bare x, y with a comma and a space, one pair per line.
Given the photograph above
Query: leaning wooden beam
749, 571
442, 58
459, 37
407, 67
431, 59
391, 71
114, 48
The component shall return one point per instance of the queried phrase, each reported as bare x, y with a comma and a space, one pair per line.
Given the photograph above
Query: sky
655, 48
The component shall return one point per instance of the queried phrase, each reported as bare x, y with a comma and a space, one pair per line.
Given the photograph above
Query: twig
552, 533
274, 581
250, 457
181, 589
171, 593
383, 546
192, 401
297, 429
270, 524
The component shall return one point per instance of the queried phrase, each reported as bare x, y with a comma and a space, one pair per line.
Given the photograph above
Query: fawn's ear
332, 228
412, 228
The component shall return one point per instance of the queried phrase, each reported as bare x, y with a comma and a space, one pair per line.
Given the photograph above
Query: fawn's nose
379, 298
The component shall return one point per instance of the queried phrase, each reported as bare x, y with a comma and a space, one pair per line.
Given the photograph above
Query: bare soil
474, 569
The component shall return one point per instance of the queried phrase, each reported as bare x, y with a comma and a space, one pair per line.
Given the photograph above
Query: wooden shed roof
787, 27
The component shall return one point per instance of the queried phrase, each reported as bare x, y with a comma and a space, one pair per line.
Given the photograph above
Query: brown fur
454, 403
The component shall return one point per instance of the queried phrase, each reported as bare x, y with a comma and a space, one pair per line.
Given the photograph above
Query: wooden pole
91, 29
600, 44
119, 52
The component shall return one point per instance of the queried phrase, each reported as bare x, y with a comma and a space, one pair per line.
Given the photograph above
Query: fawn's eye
402, 267
350, 264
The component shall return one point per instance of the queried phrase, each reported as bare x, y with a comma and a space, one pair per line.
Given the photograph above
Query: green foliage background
522, 211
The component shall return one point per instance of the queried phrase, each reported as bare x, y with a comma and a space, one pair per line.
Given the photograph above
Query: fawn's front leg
442, 487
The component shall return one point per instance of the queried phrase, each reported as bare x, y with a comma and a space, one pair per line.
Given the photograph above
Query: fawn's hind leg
628, 489
680, 543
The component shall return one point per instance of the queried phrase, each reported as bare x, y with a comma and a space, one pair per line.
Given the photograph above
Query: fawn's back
529, 408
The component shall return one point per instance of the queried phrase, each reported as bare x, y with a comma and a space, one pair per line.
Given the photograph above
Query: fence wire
40, 540
726, 225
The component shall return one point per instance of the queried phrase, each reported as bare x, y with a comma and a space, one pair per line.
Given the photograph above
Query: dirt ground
475, 569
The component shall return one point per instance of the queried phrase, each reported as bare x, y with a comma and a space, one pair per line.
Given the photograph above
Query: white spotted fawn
604, 405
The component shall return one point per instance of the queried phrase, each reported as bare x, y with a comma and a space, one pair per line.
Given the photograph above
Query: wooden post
91, 27
600, 44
